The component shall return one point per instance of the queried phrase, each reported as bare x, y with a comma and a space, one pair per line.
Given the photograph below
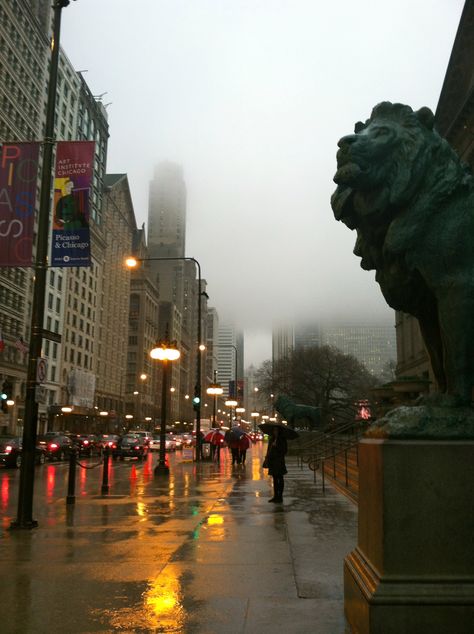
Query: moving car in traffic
11, 452
170, 443
56, 445
131, 446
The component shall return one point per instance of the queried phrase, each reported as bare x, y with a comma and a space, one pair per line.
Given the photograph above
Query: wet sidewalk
199, 552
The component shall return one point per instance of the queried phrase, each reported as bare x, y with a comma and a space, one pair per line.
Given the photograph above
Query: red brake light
86, 442
53, 445
8, 448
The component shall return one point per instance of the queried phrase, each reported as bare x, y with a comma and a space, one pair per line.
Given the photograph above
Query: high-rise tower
167, 211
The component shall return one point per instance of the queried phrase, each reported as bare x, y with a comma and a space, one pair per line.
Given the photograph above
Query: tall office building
374, 345
229, 357
167, 211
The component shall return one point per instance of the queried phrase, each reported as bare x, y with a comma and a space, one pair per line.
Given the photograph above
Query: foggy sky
251, 97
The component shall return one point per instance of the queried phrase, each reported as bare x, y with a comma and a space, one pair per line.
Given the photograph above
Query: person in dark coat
275, 462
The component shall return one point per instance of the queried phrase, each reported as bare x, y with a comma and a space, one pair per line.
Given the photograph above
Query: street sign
40, 394
41, 370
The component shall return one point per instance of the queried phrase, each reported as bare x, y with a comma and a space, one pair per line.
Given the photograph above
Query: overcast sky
251, 97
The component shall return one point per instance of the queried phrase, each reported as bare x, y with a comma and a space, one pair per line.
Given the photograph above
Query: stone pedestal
413, 569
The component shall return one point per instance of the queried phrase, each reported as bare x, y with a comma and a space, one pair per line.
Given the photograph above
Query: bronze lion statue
411, 201
295, 413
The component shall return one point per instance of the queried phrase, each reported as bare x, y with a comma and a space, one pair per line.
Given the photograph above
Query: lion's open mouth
347, 173
341, 203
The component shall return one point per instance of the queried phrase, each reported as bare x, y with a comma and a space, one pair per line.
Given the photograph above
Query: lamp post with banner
24, 517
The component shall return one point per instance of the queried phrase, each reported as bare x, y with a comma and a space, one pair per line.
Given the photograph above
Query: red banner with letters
18, 183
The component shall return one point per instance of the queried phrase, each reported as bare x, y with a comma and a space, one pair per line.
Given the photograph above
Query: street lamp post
231, 403
131, 263
214, 390
165, 351
255, 416
24, 517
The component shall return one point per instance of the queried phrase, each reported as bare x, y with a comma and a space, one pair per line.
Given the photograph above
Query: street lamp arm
131, 262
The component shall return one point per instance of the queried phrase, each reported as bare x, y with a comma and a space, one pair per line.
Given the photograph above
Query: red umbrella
215, 437
244, 442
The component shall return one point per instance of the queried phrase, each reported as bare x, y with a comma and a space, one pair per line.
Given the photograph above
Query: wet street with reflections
199, 551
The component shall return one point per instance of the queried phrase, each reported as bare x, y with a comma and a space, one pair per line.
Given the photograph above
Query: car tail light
8, 448
137, 447
53, 445
86, 442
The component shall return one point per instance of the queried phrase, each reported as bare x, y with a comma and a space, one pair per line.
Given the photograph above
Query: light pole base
161, 469
16, 525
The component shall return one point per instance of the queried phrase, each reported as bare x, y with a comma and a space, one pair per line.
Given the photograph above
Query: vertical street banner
70, 243
18, 182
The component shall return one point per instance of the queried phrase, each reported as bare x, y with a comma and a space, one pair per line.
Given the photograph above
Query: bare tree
321, 376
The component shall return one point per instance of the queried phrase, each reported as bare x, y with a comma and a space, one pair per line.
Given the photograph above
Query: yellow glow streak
214, 519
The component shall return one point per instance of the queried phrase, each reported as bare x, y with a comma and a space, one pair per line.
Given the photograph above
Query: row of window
78, 358
10, 299
17, 97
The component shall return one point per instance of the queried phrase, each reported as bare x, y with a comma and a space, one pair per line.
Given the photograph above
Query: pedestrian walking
244, 444
275, 462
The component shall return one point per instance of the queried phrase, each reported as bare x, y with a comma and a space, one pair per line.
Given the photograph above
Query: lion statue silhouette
411, 200
297, 413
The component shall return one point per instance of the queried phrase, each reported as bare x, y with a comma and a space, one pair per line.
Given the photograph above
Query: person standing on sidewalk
275, 462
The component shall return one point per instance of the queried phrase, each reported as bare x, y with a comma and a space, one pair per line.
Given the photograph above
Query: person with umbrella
275, 457
232, 438
244, 444
215, 437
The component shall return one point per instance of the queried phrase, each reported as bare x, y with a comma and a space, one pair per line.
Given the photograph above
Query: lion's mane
393, 190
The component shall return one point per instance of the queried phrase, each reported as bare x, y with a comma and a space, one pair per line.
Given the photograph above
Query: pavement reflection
198, 551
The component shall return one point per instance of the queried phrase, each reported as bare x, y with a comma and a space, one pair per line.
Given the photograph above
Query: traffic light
196, 400
5, 395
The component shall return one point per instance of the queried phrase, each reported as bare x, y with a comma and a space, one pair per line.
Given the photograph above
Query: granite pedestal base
413, 569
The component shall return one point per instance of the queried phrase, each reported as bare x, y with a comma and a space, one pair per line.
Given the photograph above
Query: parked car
170, 443
131, 446
11, 452
56, 445
86, 444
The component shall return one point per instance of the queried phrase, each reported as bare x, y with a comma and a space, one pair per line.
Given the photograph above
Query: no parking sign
41, 370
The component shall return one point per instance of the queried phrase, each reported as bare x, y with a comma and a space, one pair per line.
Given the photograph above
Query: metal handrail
327, 445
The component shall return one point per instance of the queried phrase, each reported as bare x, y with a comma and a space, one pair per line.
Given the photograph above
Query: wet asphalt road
199, 551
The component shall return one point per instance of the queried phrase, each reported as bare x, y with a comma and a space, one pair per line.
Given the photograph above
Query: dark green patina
411, 201
297, 413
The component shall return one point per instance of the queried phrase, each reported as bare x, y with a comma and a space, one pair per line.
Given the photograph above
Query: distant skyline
251, 97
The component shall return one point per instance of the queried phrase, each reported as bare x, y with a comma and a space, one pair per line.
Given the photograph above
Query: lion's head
392, 162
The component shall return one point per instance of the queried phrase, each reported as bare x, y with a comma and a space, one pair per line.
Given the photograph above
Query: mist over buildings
250, 98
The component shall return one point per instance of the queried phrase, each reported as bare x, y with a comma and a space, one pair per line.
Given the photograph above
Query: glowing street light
164, 351
214, 390
231, 403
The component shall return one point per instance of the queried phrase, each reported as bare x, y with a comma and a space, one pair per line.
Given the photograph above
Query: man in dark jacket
275, 462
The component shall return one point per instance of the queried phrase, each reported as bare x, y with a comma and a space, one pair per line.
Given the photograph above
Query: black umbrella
234, 434
287, 432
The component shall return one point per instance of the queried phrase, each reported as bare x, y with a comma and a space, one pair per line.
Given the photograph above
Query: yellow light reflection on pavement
160, 611
214, 519
256, 468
